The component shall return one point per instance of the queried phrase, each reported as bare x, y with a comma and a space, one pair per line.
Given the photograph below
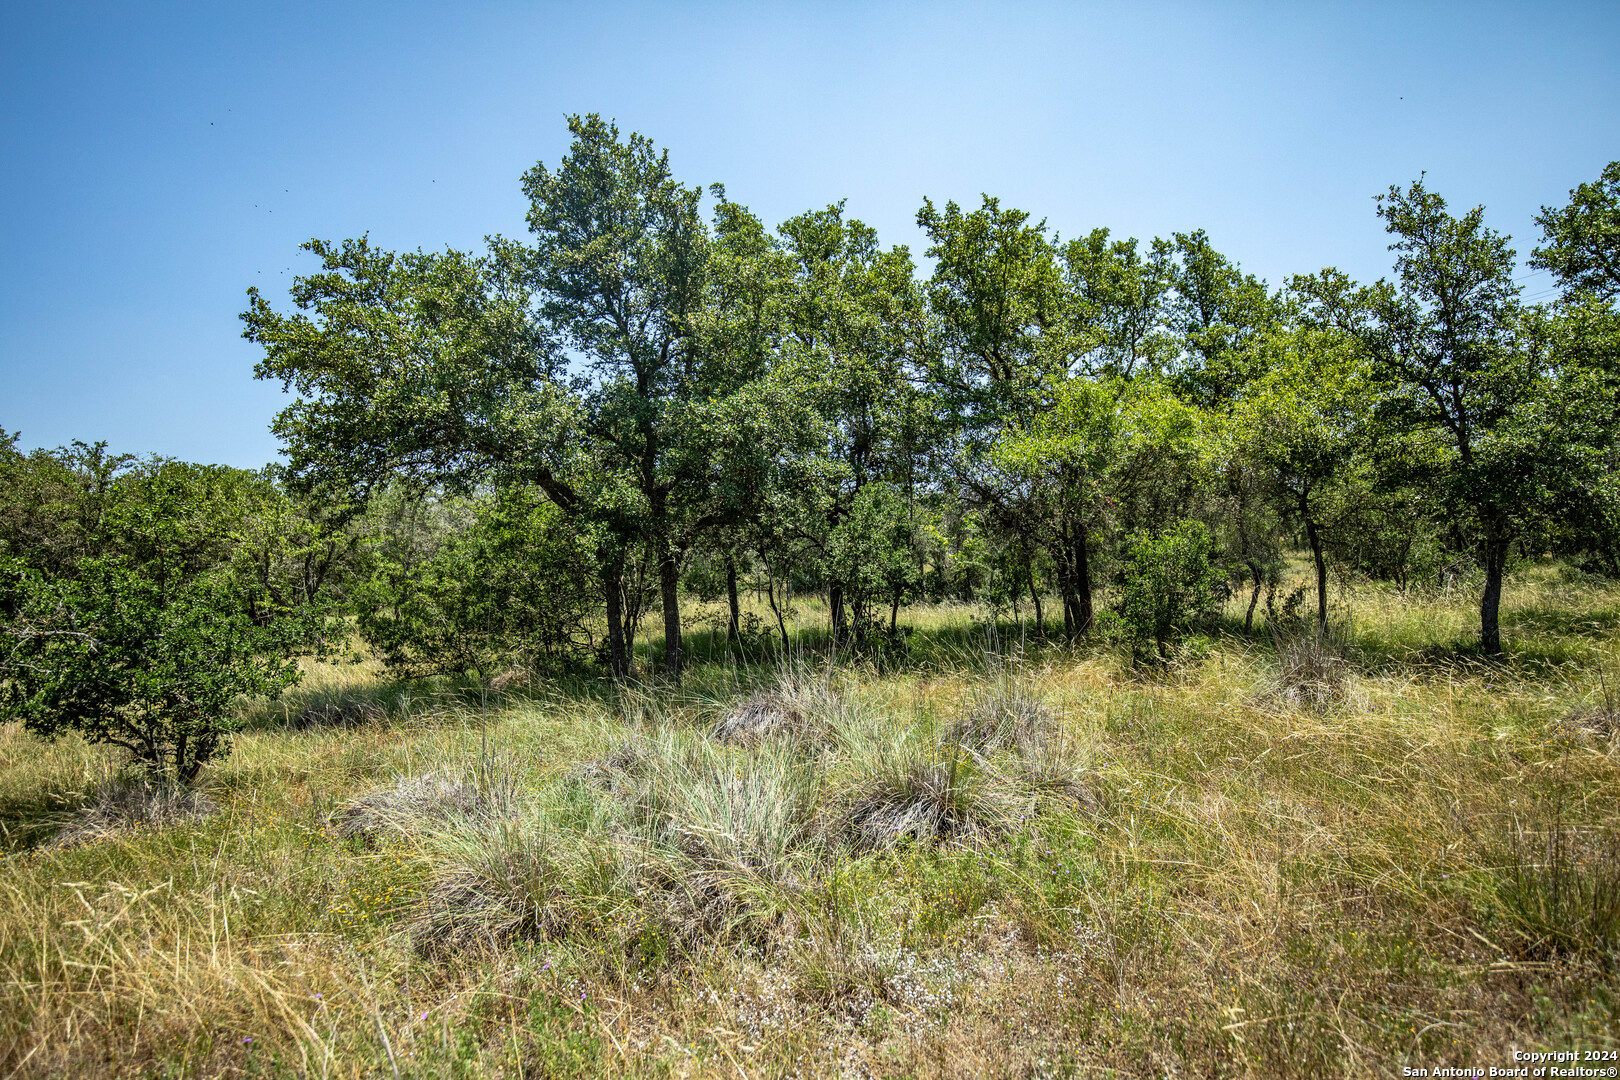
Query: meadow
1274, 856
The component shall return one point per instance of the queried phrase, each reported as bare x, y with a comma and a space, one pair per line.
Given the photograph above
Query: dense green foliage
1167, 582
141, 599
504, 461
475, 585
801, 410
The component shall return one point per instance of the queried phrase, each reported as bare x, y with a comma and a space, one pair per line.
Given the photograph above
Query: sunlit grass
1229, 885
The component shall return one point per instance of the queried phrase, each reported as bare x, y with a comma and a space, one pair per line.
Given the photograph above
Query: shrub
510, 586
1166, 583
146, 643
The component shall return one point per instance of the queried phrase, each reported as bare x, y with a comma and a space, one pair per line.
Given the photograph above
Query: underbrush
1323, 856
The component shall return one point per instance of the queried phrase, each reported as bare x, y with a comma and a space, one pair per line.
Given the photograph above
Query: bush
147, 644
507, 587
1166, 583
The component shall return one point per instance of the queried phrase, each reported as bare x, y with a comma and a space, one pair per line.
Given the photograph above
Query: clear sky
160, 159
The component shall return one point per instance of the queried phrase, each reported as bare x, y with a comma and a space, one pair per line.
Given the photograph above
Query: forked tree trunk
1254, 598
770, 596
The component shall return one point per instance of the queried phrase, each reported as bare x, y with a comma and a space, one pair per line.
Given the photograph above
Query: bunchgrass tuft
1004, 716
413, 805
762, 714
132, 801
1313, 667
928, 799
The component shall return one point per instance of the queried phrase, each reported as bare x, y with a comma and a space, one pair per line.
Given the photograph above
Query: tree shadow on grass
1559, 621
1530, 659
32, 818
972, 643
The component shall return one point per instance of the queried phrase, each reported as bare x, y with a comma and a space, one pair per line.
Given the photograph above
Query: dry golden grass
1248, 888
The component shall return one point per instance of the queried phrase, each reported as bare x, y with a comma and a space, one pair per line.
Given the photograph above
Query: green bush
147, 644
499, 581
1168, 582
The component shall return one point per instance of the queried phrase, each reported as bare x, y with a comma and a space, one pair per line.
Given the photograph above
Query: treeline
800, 400
532, 455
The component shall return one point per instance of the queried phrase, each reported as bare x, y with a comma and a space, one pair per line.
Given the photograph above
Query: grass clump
1551, 885
1557, 890
800, 703
1313, 666
499, 882
762, 714
415, 804
1008, 729
338, 712
1002, 717
928, 799
1600, 719
132, 801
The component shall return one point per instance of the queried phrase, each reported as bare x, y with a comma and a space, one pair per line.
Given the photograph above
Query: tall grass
1006, 858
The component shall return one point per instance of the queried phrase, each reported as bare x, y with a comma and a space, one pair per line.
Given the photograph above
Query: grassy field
1289, 858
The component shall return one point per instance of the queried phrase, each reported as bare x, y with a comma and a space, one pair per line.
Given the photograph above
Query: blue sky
160, 159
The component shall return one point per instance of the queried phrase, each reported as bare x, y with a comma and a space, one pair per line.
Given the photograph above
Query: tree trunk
630, 617
615, 616
669, 587
1082, 579
1490, 630
733, 631
1065, 576
181, 773
1254, 598
1074, 582
770, 595
835, 604
1315, 539
1035, 598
